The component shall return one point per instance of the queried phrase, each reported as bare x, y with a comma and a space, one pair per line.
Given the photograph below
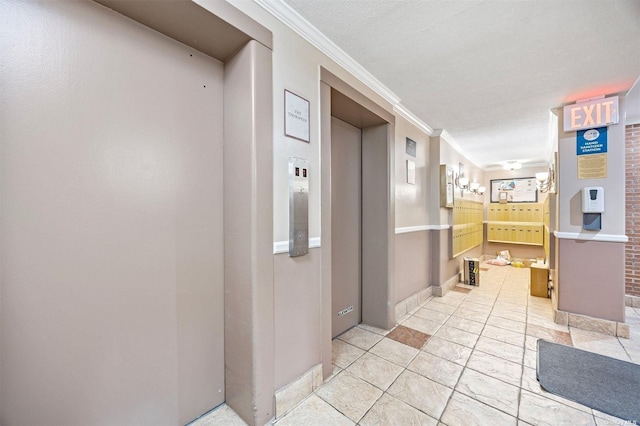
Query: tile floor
467, 358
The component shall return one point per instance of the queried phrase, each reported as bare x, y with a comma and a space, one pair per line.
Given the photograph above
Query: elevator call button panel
298, 206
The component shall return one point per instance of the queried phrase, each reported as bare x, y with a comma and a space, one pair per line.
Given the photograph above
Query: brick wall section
632, 248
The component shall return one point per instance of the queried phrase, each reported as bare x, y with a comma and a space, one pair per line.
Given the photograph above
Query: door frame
378, 206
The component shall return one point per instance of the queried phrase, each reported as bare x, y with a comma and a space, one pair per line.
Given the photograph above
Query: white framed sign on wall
296, 116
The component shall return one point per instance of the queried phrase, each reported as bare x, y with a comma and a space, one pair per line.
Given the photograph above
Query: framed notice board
518, 190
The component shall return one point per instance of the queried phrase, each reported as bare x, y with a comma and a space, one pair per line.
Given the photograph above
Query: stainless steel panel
298, 207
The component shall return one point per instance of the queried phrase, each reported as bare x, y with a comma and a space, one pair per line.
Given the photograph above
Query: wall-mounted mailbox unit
517, 223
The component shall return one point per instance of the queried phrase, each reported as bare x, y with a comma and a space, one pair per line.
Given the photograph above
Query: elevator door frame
340, 100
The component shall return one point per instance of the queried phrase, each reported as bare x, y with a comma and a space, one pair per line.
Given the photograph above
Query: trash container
471, 271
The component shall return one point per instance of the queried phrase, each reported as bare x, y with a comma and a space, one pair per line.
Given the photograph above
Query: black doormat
599, 382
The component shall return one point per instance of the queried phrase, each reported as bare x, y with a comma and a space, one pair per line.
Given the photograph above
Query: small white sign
296, 116
345, 311
411, 172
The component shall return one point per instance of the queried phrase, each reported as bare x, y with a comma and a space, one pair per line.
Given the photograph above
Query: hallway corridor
468, 358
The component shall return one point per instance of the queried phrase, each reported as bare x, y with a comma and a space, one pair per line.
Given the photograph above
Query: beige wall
111, 220
413, 263
412, 201
591, 278
297, 320
412, 210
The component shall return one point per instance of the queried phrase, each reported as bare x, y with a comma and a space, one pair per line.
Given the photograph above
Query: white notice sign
296, 116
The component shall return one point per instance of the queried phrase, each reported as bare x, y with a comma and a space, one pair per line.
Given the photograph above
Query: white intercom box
593, 199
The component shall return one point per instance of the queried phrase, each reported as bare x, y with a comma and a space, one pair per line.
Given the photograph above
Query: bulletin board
519, 190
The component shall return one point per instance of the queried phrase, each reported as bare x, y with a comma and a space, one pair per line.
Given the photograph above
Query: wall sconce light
462, 182
476, 188
543, 181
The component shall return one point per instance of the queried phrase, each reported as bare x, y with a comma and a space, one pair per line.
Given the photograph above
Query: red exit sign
591, 114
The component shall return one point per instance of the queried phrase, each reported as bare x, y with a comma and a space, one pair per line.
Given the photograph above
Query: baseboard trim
408, 305
291, 394
632, 301
585, 322
441, 290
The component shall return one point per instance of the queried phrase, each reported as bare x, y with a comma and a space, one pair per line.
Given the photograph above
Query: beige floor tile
599, 343
360, 338
440, 307
509, 306
458, 336
431, 315
221, 416
389, 410
481, 299
538, 410
451, 298
448, 350
634, 355
547, 323
562, 337
530, 358
465, 324
436, 368
350, 395
421, 324
424, 394
507, 324
531, 342
509, 314
372, 329
503, 335
314, 411
394, 351
334, 372
500, 349
476, 307
471, 315
375, 370
498, 368
466, 411
490, 391
344, 354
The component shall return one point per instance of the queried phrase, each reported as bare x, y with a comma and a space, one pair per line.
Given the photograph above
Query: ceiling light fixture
512, 165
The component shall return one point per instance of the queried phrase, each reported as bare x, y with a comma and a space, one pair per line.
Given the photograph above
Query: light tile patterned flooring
477, 368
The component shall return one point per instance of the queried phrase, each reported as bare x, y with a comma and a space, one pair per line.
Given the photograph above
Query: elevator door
111, 221
346, 261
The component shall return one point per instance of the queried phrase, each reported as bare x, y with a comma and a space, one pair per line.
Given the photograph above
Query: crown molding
452, 142
413, 119
307, 31
524, 166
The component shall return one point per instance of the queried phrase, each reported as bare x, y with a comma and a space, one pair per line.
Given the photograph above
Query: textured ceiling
488, 72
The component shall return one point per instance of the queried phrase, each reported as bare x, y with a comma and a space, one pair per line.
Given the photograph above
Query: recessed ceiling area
488, 72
